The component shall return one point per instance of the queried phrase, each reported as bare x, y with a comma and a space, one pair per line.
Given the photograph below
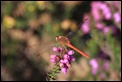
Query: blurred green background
24, 23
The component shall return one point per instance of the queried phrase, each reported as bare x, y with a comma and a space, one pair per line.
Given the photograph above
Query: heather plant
93, 27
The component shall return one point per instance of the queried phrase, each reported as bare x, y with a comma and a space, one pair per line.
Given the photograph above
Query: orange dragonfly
63, 40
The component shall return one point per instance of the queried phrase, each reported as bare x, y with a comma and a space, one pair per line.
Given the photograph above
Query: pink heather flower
70, 52
54, 58
115, 30
66, 56
55, 49
106, 11
61, 61
94, 71
94, 63
85, 27
105, 65
61, 65
99, 25
116, 4
108, 16
117, 17
64, 69
95, 11
71, 58
96, 14
102, 75
105, 30
94, 66
102, 6
66, 61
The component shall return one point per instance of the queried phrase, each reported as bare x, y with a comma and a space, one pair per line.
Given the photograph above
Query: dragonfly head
62, 40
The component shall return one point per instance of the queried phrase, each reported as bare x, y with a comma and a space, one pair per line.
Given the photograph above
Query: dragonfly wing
40, 47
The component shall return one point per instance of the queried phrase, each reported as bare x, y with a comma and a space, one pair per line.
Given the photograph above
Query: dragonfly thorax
62, 40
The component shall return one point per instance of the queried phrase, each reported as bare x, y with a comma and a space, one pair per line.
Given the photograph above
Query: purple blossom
64, 70
102, 75
99, 25
115, 30
55, 49
61, 61
95, 11
64, 60
108, 15
106, 11
66, 56
54, 58
101, 9
102, 6
61, 64
85, 27
67, 62
105, 30
105, 66
70, 52
102, 55
116, 4
94, 66
64, 66
71, 58
117, 17
94, 71
94, 63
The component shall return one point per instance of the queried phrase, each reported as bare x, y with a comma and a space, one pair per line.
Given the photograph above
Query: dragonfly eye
60, 37
57, 38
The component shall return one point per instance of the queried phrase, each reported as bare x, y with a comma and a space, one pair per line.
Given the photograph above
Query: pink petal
55, 49
61, 65
117, 17
52, 60
64, 70
70, 52
94, 71
66, 56
72, 58
66, 61
61, 61
106, 29
94, 63
52, 56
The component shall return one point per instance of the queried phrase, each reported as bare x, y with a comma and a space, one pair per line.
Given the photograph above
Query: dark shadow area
79, 11
24, 69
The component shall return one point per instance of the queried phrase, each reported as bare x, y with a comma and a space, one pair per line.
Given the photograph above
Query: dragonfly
63, 40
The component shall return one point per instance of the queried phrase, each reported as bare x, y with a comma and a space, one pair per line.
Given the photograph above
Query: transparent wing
40, 48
